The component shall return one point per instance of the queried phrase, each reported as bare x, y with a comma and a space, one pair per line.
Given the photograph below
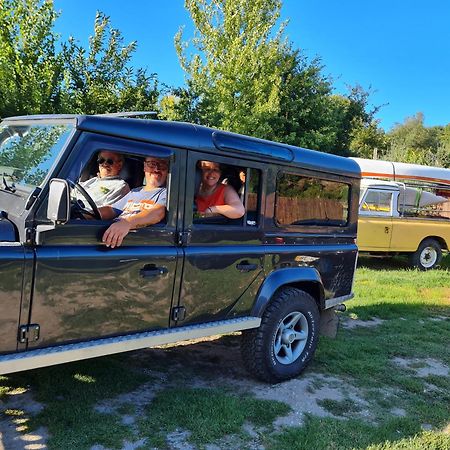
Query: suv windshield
27, 152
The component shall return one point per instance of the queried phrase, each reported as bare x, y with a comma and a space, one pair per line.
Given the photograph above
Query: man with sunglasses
107, 187
141, 207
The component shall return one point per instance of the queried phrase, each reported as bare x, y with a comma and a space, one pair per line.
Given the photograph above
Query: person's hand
208, 212
114, 235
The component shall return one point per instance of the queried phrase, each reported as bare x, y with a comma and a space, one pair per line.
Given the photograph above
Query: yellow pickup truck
398, 219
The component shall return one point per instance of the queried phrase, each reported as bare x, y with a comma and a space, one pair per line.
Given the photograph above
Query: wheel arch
305, 278
439, 239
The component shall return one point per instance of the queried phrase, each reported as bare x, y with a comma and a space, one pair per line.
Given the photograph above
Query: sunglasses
107, 161
156, 165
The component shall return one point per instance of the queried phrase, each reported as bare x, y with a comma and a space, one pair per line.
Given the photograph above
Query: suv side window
303, 200
82, 165
132, 174
245, 181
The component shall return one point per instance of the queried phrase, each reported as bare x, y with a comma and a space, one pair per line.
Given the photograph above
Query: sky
399, 49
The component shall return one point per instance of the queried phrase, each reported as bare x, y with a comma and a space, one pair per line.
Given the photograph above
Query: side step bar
50, 356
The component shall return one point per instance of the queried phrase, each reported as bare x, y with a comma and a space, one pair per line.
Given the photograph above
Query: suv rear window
302, 200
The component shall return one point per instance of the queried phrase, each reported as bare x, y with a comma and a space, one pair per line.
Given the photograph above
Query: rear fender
307, 278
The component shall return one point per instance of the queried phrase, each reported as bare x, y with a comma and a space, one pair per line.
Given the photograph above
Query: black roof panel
200, 138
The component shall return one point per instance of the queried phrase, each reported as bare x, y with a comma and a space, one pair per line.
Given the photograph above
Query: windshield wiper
7, 187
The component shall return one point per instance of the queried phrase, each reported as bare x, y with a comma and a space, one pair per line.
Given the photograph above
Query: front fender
282, 277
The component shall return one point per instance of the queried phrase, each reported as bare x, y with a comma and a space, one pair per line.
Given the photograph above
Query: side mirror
58, 209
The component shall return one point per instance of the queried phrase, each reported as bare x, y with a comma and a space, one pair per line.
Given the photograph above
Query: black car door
85, 290
223, 264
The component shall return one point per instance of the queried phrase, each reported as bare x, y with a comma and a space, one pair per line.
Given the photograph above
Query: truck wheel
427, 256
286, 340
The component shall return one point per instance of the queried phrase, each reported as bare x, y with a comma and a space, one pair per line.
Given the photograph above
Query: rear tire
427, 256
286, 340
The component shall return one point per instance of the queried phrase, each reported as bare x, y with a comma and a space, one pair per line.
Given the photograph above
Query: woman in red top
215, 198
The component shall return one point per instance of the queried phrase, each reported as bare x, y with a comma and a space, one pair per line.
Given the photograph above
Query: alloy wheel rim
290, 338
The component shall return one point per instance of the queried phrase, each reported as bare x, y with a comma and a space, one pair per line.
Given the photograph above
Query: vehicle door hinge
30, 234
178, 313
183, 237
28, 332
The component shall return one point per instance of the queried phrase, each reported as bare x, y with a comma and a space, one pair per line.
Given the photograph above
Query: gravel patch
423, 367
350, 323
13, 434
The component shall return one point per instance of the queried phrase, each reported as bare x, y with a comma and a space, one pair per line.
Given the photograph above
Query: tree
443, 151
35, 78
30, 67
245, 77
304, 104
413, 142
100, 80
234, 78
357, 130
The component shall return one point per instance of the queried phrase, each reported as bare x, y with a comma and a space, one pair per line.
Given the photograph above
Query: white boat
417, 198
409, 196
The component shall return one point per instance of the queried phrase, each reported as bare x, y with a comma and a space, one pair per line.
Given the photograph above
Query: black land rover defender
65, 296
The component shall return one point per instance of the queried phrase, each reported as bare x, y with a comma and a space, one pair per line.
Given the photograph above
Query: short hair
199, 164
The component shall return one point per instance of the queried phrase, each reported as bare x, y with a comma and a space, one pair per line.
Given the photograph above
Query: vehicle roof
201, 138
381, 184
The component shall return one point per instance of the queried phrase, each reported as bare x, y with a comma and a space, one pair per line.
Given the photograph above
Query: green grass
207, 414
69, 393
414, 307
339, 407
331, 434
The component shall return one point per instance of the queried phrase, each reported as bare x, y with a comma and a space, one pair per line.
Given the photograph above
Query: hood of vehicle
7, 231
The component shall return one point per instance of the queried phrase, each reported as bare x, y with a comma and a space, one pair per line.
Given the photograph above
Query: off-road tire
427, 256
261, 352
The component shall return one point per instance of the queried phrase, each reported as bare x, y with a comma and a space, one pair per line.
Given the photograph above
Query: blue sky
399, 48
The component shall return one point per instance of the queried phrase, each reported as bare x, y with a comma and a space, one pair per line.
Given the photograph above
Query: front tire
427, 256
286, 340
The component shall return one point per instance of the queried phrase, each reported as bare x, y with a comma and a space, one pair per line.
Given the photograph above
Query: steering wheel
79, 205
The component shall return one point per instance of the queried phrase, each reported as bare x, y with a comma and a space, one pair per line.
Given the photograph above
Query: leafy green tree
242, 75
303, 118
100, 80
30, 67
234, 77
354, 125
443, 151
366, 139
413, 142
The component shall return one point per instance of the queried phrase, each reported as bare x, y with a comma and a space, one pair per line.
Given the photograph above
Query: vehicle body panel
12, 265
407, 234
374, 233
87, 290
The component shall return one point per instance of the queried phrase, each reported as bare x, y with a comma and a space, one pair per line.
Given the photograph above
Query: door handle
386, 230
245, 266
150, 270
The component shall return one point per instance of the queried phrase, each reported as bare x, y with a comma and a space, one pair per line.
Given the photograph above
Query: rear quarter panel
408, 233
